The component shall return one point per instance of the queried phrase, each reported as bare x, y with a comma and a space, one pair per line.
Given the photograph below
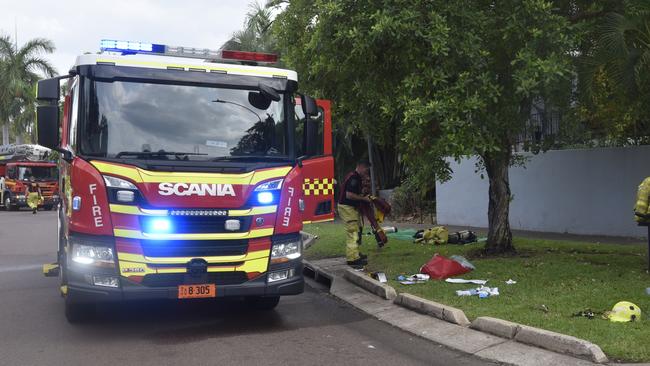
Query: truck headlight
284, 252
92, 255
114, 182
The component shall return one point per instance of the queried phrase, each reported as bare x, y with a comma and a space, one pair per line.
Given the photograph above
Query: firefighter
33, 194
641, 211
350, 197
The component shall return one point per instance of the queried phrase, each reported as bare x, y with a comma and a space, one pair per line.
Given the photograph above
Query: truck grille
203, 224
175, 279
47, 192
193, 248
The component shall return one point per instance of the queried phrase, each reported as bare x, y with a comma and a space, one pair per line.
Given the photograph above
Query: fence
589, 191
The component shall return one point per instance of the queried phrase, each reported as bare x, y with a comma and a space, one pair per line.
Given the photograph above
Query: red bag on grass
441, 267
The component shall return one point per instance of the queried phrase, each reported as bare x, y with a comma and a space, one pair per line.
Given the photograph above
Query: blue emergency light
157, 225
131, 47
265, 198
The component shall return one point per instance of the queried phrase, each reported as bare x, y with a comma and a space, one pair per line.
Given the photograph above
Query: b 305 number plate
196, 291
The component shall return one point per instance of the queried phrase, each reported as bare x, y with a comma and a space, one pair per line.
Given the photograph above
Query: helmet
625, 311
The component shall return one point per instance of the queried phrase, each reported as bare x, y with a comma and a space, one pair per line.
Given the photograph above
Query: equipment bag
440, 267
436, 235
462, 237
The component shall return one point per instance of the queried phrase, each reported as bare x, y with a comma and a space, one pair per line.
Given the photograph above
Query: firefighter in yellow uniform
34, 196
641, 211
348, 207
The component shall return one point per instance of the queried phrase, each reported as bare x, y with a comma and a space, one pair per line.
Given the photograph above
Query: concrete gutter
541, 338
489, 338
307, 239
440, 311
362, 280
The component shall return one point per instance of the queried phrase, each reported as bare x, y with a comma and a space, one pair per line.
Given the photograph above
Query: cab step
51, 270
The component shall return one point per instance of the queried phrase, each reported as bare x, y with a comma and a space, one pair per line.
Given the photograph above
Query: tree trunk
5, 133
499, 234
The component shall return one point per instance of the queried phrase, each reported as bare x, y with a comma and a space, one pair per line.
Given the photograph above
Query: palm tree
20, 69
256, 35
618, 66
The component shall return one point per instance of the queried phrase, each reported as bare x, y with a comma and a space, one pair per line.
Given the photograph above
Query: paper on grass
460, 280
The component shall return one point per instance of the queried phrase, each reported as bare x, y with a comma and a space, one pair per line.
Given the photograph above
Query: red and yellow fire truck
19, 165
185, 173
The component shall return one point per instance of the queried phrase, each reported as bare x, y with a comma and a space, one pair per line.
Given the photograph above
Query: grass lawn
565, 277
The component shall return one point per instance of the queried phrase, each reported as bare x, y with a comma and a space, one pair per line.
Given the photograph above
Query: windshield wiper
154, 153
250, 157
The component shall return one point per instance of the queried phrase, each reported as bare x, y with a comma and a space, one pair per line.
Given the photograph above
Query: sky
76, 26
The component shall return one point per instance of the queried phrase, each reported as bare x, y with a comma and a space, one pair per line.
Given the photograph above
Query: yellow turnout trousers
641, 206
352, 222
33, 199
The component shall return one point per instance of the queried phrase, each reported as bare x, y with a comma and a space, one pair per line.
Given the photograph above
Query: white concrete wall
589, 191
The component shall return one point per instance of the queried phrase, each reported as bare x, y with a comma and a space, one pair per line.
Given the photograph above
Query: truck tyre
263, 303
8, 205
79, 313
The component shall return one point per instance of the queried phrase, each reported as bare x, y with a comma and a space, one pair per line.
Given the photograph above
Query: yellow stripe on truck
253, 211
182, 261
137, 234
138, 175
228, 69
128, 268
135, 210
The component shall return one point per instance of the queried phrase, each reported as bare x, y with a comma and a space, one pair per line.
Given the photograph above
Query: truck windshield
40, 173
164, 121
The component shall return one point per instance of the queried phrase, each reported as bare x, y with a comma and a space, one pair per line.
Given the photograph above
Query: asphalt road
312, 328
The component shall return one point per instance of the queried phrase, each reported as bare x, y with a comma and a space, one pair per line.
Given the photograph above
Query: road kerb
498, 327
367, 283
434, 309
307, 239
560, 343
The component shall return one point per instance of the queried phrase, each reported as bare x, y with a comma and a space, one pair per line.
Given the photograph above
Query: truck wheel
79, 313
263, 303
8, 205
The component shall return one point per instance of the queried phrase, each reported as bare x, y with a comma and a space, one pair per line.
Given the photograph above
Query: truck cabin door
318, 167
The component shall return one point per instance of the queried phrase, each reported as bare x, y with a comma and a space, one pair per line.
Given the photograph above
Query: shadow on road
174, 322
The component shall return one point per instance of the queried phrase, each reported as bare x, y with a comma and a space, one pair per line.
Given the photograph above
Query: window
300, 131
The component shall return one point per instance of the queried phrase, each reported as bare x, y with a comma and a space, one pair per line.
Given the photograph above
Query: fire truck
185, 173
19, 165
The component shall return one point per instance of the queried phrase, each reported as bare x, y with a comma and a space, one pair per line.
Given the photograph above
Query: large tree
20, 69
458, 77
615, 74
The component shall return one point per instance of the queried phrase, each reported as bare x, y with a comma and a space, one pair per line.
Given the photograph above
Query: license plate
196, 291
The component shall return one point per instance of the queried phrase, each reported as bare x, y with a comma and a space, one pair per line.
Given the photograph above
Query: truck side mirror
48, 90
311, 136
309, 107
47, 126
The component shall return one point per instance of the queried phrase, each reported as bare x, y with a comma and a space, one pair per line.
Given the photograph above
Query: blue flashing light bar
131, 47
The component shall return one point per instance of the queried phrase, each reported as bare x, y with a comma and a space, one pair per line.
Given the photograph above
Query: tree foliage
20, 69
615, 74
446, 79
256, 35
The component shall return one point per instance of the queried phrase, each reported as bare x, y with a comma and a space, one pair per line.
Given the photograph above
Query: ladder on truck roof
17, 152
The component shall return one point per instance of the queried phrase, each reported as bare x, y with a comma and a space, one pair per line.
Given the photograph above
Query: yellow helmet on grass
625, 311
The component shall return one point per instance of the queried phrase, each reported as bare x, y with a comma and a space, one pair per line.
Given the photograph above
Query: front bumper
81, 291
22, 202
